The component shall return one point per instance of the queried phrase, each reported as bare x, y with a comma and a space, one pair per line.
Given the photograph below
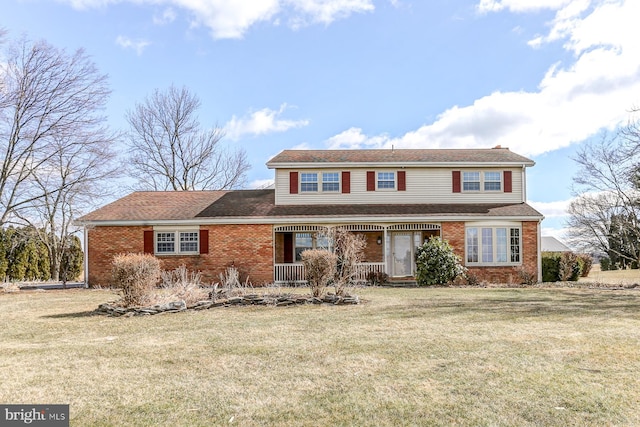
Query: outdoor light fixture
379, 240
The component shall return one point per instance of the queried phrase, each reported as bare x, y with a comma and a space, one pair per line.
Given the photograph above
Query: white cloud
261, 122
137, 45
573, 101
486, 6
166, 17
557, 209
232, 19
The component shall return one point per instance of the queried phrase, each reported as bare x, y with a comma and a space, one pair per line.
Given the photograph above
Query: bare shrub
568, 267
181, 284
136, 275
527, 277
230, 285
320, 268
349, 248
587, 263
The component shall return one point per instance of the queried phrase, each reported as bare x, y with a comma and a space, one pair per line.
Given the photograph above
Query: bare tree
605, 214
45, 94
170, 151
72, 183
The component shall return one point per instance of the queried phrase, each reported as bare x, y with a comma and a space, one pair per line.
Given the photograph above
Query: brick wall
247, 247
454, 232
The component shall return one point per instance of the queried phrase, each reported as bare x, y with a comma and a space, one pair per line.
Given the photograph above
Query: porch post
384, 249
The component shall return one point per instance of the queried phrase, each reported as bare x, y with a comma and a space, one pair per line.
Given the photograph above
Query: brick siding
247, 247
454, 233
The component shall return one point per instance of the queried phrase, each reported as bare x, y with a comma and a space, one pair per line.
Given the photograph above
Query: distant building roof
551, 244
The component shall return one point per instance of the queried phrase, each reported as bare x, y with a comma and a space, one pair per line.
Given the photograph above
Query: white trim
174, 228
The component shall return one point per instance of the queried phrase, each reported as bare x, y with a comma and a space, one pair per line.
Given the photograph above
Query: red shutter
288, 248
456, 181
371, 181
293, 182
346, 182
402, 181
204, 241
148, 242
507, 182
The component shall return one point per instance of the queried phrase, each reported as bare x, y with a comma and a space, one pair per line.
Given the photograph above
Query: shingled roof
498, 155
247, 204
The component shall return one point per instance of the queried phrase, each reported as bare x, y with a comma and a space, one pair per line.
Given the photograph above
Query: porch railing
294, 273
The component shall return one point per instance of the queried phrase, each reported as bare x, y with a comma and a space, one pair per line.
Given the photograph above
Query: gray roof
551, 244
177, 205
416, 157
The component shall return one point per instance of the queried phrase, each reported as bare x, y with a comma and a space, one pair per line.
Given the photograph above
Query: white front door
402, 254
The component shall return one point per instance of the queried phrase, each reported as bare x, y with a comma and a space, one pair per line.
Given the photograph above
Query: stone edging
264, 300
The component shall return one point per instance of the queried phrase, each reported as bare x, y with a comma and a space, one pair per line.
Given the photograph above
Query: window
189, 241
471, 181
304, 241
309, 182
492, 181
386, 180
330, 181
493, 245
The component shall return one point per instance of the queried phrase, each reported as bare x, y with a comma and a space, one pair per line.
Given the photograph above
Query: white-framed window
386, 180
309, 182
330, 182
492, 245
493, 181
470, 181
482, 181
173, 242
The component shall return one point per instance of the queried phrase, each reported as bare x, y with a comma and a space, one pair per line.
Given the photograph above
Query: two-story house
473, 198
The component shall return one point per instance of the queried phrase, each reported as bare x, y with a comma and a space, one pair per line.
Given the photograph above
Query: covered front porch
390, 248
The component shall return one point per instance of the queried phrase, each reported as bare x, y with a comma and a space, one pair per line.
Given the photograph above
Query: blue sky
541, 77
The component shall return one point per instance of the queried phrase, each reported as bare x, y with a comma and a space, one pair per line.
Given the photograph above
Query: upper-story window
308, 182
492, 181
330, 181
487, 181
471, 181
313, 182
386, 180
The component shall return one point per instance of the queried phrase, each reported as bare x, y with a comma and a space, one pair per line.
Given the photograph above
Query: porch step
401, 283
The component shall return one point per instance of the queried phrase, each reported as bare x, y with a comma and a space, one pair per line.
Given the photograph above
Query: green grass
438, 356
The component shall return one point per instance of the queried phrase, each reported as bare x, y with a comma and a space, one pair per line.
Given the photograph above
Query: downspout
539, 251
86, 256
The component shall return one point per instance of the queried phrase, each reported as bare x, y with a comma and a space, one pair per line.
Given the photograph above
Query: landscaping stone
266, 300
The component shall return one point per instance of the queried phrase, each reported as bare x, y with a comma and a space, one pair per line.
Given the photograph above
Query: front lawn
442, 356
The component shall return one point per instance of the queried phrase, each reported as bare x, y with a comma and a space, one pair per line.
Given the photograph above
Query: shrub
348, 248
320, 268
587, 263
375, 278
136, 275
527, 277
181, 284
436, 263
550, 266
569, 268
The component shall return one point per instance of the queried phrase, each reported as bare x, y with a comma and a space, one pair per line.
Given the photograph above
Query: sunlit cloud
137, 45
261, 122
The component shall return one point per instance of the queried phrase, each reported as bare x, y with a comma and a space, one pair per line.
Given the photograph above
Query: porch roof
260, 204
